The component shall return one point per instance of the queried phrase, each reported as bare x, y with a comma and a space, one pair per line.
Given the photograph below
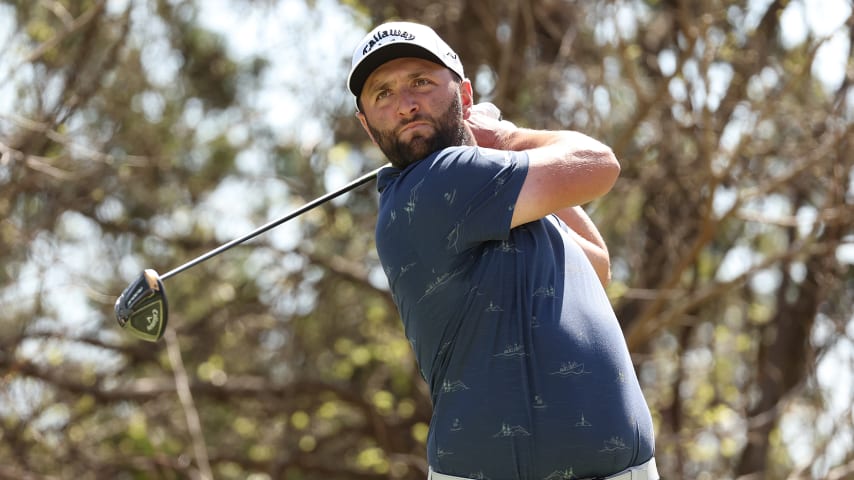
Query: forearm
584, 231
587, 236
527, 139
490, 131
565, 168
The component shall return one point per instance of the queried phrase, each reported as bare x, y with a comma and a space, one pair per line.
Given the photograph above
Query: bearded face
448, 131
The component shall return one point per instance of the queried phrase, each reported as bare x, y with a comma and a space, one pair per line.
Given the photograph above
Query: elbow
602, 266
605, 170
605, 277
611, 166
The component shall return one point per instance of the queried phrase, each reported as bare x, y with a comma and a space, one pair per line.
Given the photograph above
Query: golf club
142, 310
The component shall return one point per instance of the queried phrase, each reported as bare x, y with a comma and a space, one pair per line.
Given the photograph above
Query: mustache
418, 117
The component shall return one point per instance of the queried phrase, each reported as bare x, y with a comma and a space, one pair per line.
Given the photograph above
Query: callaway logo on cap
396, 40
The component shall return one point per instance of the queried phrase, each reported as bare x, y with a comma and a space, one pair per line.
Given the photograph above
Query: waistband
644, 471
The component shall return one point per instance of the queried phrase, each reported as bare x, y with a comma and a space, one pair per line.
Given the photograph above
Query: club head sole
142, 309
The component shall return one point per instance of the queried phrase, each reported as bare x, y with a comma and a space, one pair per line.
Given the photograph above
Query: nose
407, 105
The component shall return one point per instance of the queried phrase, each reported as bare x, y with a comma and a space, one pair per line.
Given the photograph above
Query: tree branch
185, 395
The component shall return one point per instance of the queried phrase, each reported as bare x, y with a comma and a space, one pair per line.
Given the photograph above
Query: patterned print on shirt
512, 351
614, 444
392, 217
499, 184
569, 369
450, 387
492, 307
538, 402
438, 283
566, 474
444, 348
454, 238
512, 431
583, 423
545, 292
456, 425
506, 246
450, 197
412, 203
475, 291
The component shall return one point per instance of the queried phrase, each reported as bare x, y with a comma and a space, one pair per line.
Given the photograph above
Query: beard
449, 131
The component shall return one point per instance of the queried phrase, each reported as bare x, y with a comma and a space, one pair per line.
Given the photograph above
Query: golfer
498, 274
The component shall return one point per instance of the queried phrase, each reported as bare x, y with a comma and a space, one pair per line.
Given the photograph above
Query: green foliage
132, 136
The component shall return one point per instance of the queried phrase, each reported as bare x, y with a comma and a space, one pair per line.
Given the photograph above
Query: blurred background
140, 134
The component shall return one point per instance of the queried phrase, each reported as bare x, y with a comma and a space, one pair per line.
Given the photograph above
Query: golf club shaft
275, 223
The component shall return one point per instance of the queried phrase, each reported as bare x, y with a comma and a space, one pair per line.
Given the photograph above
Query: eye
382, 94
421, 82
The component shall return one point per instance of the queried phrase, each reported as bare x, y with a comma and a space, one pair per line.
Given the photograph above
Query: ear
466, 97
364, 121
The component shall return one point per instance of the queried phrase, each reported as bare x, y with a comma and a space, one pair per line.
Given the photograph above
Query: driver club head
141, 308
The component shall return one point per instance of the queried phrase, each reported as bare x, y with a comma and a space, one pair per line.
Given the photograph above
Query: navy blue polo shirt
528, 369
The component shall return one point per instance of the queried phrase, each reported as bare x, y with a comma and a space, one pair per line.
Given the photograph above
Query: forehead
403, 68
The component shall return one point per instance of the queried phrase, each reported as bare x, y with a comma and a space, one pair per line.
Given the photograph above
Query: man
498, 274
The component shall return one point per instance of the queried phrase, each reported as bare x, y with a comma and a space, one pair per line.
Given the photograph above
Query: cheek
380, 118
439, 104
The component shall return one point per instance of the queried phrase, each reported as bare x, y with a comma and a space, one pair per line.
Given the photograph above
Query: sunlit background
175, 126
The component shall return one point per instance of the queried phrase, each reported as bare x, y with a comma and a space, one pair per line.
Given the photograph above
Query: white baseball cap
396, 40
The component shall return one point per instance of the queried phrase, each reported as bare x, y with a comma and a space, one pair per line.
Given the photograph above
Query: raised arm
565, 168
587, 236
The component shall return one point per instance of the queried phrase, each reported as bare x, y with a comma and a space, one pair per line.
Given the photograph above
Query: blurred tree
728, 226
124, 125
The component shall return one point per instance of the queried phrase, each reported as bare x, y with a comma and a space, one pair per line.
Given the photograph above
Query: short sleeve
467, 194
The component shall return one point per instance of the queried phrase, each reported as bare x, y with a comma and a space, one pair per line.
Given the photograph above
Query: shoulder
478, 154
470, 162
469, 165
